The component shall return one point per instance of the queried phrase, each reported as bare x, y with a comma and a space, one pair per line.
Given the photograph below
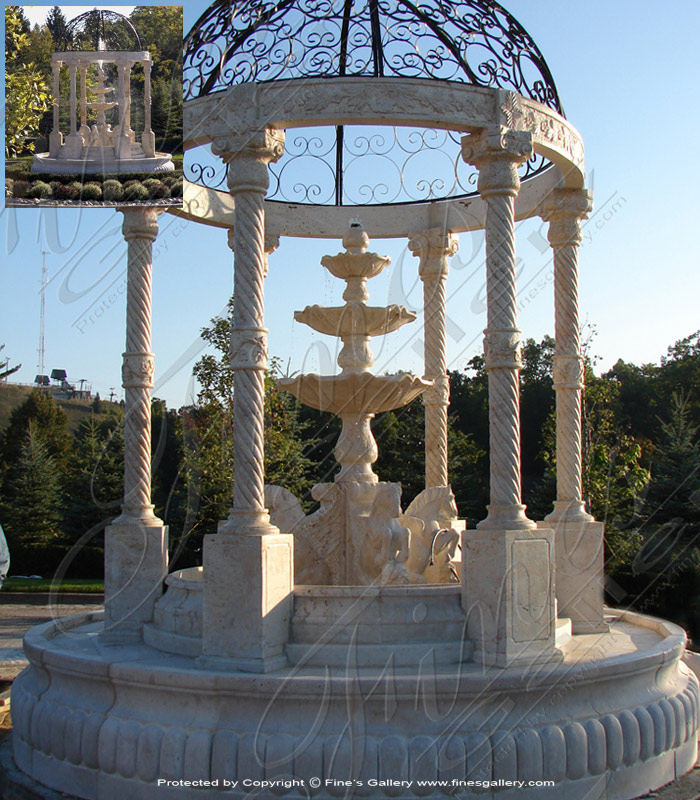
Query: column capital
248, 155
497, 153
433, 246
140, 223
564, 209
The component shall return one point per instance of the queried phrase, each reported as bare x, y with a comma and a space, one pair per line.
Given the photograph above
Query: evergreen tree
5, 369
33, 501
166, 113
49, 421
665, 573
95, 476
56, 23
675, 470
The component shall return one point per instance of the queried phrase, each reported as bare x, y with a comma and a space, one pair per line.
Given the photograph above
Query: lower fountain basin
615, 719
43, 163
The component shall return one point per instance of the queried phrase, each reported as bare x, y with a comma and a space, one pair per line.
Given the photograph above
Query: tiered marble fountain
361, 536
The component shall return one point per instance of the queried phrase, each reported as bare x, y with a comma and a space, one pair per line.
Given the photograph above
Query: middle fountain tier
360, 535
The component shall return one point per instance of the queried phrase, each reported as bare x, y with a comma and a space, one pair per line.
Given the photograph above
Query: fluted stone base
617, 718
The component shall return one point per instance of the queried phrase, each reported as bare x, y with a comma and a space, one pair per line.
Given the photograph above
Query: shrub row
111, 189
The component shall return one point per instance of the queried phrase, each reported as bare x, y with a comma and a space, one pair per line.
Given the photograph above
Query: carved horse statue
318, 545
385, 544
433, 540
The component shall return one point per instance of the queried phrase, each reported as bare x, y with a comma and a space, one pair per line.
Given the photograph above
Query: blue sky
627, 76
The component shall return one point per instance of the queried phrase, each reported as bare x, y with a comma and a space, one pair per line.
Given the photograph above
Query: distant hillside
12, 395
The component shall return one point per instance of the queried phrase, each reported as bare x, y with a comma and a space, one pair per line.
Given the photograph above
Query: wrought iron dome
100, 30
260, 41
469, 41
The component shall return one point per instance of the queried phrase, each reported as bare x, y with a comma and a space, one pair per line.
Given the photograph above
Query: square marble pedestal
508, 595
247, 603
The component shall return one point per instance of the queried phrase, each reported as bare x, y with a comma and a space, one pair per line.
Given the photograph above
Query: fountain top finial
356, 240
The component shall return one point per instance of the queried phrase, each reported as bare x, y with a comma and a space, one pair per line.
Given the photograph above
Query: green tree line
641, 465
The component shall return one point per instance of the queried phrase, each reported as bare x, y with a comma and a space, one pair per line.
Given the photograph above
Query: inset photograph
93, 112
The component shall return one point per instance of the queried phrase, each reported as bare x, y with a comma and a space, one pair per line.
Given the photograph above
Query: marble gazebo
100, 148
351, 652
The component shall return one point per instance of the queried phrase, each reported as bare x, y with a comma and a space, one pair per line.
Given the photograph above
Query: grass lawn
92, 585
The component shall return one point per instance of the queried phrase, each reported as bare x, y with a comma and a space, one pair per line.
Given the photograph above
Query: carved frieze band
502, 348
545, 125
567, 372
137, 370
248, 348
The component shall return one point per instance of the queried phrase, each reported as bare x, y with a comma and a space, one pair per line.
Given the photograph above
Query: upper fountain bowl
362, 265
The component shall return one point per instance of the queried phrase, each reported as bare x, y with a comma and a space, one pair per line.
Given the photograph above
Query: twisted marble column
564, 209
147, 96
83, 96
248, 158
497, 155
127, 107
73, 97
56, 68
434, 247
140, 229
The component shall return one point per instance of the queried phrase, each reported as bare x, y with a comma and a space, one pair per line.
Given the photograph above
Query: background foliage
641, 465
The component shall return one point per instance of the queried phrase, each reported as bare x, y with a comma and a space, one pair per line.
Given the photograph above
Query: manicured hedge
40, 190
128, 187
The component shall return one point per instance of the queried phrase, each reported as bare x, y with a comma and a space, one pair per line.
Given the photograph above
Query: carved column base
55, 144
579, 572
136, 564
510, 517
247, 601
249, 523
568, 511
148, 143
508, 596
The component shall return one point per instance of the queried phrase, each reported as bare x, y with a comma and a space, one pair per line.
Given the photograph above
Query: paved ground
16, 618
